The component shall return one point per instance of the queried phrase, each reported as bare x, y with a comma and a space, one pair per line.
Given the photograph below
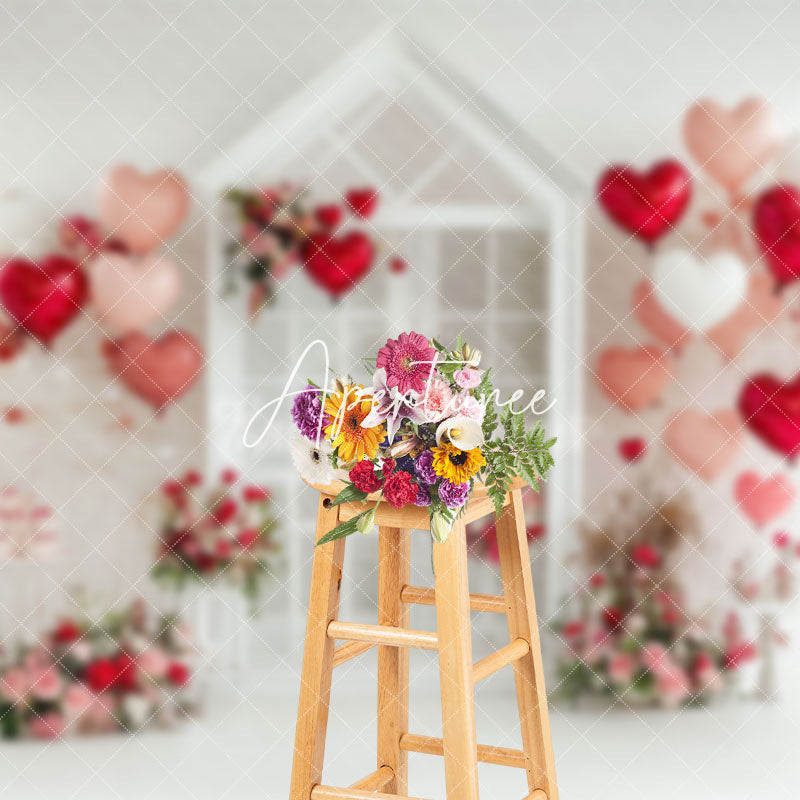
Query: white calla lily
462, 432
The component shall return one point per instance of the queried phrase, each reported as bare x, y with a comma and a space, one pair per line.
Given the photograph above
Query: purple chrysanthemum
453, 495
307, 410
423, 466
423, 497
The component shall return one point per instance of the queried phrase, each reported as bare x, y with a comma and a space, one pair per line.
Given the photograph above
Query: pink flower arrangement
46, 693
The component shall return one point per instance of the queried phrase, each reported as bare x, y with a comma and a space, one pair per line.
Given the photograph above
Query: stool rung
333, 793
537, 794
375, 781
504, 756
345, 652
382, 634
517, 649
477, 602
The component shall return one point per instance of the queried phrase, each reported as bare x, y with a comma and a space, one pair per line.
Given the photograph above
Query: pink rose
77, 700
621, 667
467, 378
655, 657
153, 663
47, 726
46, 684
14, 684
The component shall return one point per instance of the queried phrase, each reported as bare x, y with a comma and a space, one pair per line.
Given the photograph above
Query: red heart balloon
157, 370
646, 204
329, 216
362, 202
11, 341
771, 409
337, 263
776, 221
632, 449
43, 296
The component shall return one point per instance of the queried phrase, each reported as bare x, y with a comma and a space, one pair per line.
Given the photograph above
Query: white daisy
313, 463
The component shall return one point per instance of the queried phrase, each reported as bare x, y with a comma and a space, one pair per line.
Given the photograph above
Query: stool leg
455, 666
315, 687
393, 574
512, 544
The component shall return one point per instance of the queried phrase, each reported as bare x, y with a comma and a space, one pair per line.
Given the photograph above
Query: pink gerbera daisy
407, 361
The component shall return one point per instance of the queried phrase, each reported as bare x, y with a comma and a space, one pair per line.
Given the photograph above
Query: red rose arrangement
205, 534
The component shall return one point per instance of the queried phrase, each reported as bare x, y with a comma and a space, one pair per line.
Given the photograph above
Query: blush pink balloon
143, 211
762, 307
129, 292
706, 444
732, 145
655, 320
633, 378
763, 499
157, 370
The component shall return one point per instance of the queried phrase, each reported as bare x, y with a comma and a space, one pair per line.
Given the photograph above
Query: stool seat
418, 519
452, 642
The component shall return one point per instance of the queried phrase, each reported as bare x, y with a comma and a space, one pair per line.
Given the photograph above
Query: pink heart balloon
129, 292
143, 211
655, 320
731, 145
762, 307
763, 499
157, 370
633, 378
706, 444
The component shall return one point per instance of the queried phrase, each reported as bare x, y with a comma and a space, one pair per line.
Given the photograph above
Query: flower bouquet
422, 434
209, 533
626, 632
87, 677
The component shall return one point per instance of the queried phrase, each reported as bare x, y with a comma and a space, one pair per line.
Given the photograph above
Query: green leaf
348, 495
344, 529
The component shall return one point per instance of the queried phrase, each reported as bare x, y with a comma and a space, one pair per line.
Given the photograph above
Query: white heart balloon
698, 291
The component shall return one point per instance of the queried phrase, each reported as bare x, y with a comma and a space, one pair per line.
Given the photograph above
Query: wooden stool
453, 641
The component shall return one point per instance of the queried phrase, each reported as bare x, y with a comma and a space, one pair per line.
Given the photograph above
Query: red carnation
255, 494
178, 673
645, 556
66, 632
224, 511
229, 476
100, 675
125, 673
399, 490
192, 479
387, 468
364, 478
248, 537
612, 617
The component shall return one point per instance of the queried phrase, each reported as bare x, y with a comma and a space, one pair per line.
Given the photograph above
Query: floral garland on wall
281, 229
422, 435
225, 531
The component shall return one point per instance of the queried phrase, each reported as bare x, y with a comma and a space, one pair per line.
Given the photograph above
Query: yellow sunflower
346, 410
457, 466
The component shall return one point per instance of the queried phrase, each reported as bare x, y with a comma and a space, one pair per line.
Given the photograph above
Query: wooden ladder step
477, 602
382, 634
376, 781
344, 652
333, 793
517, 649
504, 756
537, 794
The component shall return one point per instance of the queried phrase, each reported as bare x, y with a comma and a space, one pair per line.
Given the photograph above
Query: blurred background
601, 197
